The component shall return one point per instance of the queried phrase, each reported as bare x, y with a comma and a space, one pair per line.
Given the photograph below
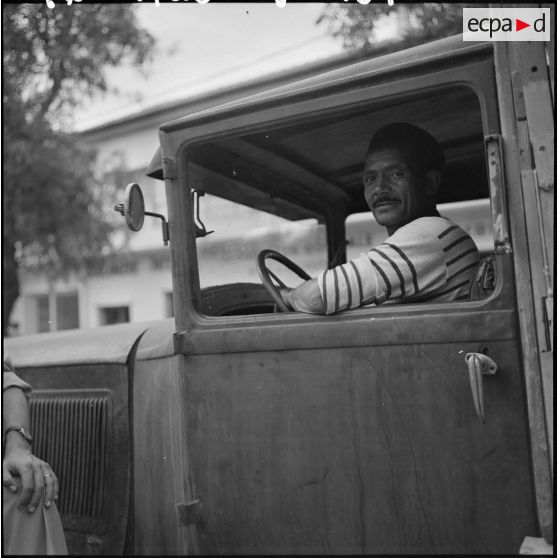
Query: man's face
393, 192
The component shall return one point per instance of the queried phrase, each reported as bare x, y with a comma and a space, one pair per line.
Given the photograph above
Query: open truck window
299, 190
229, 280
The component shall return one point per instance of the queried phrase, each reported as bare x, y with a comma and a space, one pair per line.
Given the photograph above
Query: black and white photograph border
169, 388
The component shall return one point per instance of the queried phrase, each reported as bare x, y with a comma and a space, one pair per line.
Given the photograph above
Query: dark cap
417, 143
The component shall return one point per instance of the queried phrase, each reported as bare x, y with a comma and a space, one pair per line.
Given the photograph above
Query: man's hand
286, 296
35, 477
305, 298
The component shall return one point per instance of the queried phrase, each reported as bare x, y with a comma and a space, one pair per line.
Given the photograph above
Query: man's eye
369, 179
398, 174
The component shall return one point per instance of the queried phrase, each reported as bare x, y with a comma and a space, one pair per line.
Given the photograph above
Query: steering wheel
267, 276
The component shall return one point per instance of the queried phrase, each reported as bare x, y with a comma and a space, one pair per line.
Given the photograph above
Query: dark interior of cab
313, 168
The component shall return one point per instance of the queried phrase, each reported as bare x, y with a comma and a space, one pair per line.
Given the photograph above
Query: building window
43, 314
115, 315
169, 305
66, 312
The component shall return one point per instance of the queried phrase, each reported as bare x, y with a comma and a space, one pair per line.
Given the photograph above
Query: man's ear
432, 182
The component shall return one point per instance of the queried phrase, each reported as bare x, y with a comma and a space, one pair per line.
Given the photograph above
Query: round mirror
134, 208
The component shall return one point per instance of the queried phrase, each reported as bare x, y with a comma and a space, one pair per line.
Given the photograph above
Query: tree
358, 25
53, 199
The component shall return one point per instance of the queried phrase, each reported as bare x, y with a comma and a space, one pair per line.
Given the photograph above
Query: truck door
357, 432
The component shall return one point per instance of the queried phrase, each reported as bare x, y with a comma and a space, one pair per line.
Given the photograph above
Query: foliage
54, 204
54, 57
358, 25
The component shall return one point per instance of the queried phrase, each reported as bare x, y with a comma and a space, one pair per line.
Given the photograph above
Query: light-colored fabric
430, 258
10, 379
37, 533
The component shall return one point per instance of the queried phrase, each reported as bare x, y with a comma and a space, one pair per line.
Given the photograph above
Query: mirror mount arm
201, 231
119, 207
164, 226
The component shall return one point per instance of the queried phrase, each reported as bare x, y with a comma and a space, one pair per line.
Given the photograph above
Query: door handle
479, 365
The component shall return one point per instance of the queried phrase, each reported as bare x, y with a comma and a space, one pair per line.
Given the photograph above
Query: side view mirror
133, 210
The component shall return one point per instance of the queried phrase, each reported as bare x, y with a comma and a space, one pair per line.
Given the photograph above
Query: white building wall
137, 147
144, 292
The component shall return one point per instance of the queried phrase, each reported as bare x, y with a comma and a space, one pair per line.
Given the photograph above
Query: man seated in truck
425, 258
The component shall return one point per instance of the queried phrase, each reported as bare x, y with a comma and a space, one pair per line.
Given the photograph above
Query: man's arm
18, 461
305, 298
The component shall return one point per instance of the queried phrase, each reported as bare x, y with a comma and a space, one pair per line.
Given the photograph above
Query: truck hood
107, 344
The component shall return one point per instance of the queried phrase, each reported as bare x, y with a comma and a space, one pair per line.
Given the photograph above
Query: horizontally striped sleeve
350, 285
462, 258
409, 264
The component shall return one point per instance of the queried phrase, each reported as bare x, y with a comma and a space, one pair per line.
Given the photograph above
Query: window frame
477, 73
103, 310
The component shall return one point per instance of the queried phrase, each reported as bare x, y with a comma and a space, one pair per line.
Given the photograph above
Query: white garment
430, 258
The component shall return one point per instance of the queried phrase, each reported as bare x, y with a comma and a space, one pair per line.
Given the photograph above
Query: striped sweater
430, 258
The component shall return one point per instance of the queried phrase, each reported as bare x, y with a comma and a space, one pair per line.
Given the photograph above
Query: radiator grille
70, 433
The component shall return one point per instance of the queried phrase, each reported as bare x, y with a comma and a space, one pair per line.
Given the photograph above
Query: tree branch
54, 91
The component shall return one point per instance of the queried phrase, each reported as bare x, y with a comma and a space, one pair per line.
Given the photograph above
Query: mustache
384, 197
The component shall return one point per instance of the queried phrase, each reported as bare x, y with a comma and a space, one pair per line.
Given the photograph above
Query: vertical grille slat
91, 436
101, 436
80, 456
64, 449
72, 453
84, 462
99, 466
88, 459
70, 434
54, 451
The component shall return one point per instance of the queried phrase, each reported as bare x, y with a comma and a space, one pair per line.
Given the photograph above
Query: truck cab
234, 428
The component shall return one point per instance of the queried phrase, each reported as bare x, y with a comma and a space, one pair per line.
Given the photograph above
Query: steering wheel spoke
278, 281
267, 276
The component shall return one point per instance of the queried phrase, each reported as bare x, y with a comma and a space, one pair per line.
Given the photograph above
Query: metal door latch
190, 513
479, 364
